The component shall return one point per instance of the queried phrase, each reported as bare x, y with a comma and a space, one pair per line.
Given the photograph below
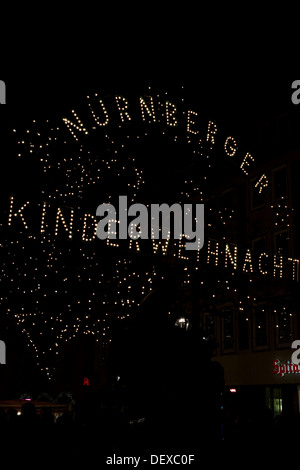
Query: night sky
238, 101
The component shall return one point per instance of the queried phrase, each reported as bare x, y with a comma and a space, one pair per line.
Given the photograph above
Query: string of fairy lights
57, 282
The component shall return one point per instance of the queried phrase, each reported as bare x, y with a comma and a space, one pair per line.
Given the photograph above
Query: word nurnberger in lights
165, 113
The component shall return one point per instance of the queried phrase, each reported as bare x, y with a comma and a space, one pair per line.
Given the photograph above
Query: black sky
237, 91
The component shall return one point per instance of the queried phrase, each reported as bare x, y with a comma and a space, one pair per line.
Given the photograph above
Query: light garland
123, 106
84, 169
230, 147
100, 123
79, 127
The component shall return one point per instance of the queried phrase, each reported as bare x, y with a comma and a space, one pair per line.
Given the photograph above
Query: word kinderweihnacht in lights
62, 224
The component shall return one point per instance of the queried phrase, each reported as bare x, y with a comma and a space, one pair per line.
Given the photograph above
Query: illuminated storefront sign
285, 368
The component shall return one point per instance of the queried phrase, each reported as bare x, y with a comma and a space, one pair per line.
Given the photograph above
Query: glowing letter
246, 162
19, 212
170, 114
74, 128
150, 111
92, 218
123, 108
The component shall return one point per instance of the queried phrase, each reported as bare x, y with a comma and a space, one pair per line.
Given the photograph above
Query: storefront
57, 409
260, 379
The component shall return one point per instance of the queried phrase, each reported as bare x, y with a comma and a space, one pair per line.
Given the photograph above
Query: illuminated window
277, 401
274, 399
260, 327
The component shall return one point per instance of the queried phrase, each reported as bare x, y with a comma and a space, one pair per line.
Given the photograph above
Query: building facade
255, 325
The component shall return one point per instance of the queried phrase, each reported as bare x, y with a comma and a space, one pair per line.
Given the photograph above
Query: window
182, 323
283, 326
260, 327
228, 330
259, 245
274, 399
243, 328
277, 401
209, 326
279, 183
282, 243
